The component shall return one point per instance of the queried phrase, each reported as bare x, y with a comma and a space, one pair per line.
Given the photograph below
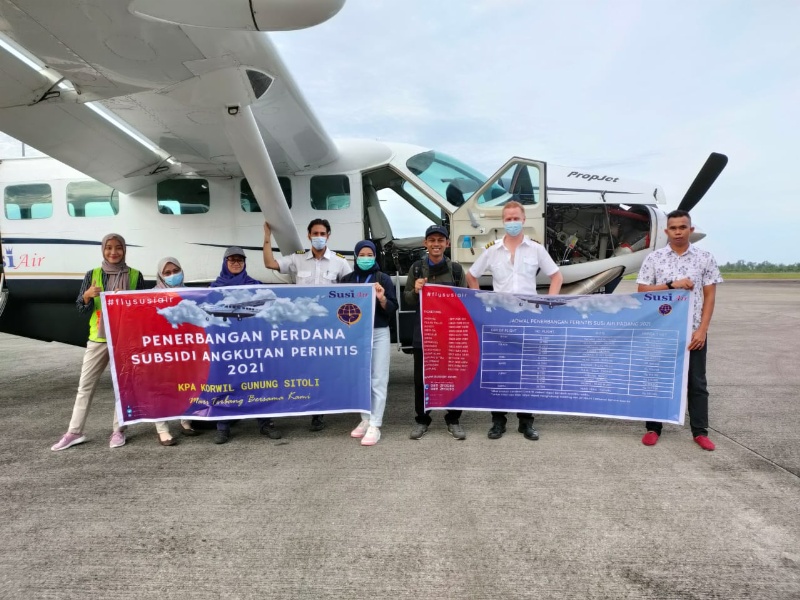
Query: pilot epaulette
340, 255
301, 251
490, 244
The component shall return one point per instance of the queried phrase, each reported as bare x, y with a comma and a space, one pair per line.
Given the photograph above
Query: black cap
437, 229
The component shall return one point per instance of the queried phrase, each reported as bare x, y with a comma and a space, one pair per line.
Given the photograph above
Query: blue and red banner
240, 352
619, 356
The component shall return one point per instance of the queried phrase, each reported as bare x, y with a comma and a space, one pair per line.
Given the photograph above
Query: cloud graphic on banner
230, 296
298, 310
603, 303
509, 302
187, 311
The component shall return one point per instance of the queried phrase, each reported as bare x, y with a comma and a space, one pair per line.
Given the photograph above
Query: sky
635, 89
641, 89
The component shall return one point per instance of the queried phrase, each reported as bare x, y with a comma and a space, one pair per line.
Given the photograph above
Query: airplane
176, 124
237, 310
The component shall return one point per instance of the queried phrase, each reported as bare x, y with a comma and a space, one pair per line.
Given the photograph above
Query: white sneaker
371, 437
359, 431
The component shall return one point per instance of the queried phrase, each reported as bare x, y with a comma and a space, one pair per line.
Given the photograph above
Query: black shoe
268, 429
528, 431
497, 431
222, 436
317, 424
190, 431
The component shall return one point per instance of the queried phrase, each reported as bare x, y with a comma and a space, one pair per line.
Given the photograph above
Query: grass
746, 275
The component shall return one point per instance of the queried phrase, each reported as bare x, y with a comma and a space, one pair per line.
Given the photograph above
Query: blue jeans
379, 375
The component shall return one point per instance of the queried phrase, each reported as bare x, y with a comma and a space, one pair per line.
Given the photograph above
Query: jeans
379, 375
696, 393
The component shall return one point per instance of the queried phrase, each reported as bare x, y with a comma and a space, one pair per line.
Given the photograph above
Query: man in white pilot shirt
514, 264
320, 266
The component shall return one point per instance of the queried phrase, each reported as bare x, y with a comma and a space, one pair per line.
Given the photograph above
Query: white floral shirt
666, 265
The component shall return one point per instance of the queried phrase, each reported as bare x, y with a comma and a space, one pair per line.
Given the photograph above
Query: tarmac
585, 512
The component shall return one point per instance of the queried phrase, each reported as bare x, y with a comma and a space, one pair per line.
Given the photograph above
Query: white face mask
512, 227
319, 242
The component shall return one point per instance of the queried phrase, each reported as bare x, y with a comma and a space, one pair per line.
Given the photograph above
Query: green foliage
741, 266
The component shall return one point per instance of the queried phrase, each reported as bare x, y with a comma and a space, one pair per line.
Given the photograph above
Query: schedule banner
240, 352
605, 355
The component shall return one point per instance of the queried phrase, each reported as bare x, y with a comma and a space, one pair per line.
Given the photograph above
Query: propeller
705, 179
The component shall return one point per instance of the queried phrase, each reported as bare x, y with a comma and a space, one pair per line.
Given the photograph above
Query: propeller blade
705, 179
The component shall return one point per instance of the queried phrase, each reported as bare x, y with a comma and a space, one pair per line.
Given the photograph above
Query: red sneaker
650, 438
704, 442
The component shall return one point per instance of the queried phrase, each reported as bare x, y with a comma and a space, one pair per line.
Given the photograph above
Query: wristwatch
669, 284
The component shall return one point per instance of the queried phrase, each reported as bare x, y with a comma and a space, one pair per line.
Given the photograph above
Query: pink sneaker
704, 442
371, 437
69, 439
117, 439
359, 431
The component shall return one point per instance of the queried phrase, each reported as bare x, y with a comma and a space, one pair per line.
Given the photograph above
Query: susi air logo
665, 309
24, 260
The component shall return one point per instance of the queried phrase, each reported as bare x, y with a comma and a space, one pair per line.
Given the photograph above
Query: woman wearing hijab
113, 274
366, 271
234, 272
170, 275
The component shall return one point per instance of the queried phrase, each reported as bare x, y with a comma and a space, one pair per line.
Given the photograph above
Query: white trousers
95, 361
381, 344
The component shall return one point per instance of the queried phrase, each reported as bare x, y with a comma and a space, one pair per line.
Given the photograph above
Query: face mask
512, 227
318, 243
174, 280
365, 263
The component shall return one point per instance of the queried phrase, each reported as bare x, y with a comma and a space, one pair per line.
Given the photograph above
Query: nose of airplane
696, 235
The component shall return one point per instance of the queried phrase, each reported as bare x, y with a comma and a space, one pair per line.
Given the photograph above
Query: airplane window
406, 221
519, 182
248, 199
183, 196
330, 192
450, 178
28, 201
91, 199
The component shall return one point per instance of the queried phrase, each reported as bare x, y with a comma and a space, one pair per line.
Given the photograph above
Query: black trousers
424, 418
696, 394
500, 417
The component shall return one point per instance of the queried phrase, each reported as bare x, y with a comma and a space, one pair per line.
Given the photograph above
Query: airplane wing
131, 92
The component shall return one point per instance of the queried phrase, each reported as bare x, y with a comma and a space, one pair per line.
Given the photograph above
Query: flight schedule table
613, 361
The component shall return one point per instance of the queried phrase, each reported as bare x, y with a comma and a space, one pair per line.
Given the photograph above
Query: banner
240, 352
604, 355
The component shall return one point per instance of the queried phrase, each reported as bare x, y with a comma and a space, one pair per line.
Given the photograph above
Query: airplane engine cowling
247, 15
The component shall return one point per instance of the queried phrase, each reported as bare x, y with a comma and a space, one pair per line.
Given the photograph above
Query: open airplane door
3, 289
479, 221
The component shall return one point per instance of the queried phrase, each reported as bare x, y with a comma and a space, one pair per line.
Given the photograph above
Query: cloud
298, 310
509, 302
187, 311
603, 303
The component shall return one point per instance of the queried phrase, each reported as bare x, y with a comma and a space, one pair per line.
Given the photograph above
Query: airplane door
479, 221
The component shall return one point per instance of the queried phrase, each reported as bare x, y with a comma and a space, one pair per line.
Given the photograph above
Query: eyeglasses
235, 259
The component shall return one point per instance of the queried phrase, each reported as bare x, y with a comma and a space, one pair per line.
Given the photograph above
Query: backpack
455, 269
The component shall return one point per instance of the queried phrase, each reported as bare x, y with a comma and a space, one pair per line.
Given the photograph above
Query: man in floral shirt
684, 266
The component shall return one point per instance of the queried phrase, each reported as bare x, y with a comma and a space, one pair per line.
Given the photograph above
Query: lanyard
358, 278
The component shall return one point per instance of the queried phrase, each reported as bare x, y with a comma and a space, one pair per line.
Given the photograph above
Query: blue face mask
512, 227
365, 263
318, 243
174, 280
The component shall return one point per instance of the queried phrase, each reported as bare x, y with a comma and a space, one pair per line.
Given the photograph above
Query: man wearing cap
514, 264
435, 268
320, 266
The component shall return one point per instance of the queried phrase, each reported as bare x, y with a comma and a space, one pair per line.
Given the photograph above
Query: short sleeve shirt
518, 277
304, 269
666, 265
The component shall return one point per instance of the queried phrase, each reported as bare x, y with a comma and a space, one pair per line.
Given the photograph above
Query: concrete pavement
586, 512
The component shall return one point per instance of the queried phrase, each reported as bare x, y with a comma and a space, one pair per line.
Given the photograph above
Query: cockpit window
453, 180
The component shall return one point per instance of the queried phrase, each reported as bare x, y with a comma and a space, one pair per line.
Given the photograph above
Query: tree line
741, 266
